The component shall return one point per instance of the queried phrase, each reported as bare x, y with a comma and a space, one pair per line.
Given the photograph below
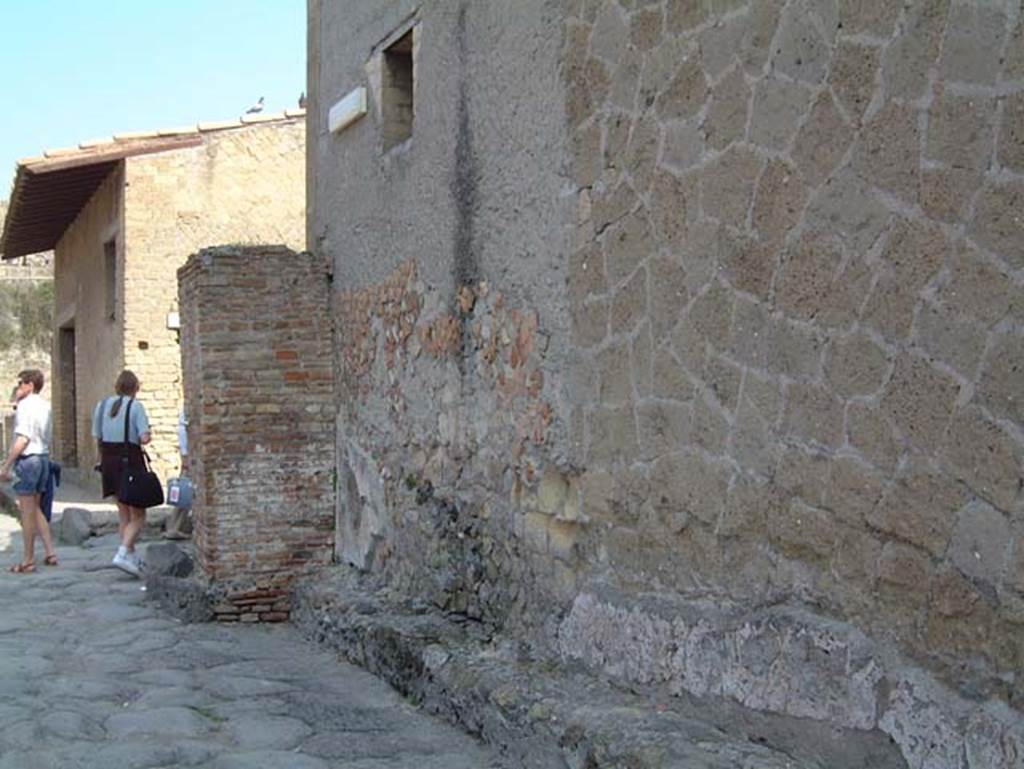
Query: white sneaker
127, 563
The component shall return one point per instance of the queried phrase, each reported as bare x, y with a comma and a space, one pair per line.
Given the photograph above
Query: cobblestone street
92, 675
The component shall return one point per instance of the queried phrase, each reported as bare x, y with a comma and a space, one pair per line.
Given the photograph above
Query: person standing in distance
119, 450
30, 458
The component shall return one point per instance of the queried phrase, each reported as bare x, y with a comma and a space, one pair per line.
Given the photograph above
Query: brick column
257, 369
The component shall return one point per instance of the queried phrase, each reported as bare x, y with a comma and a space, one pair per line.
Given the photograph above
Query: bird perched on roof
302, 100
257, 107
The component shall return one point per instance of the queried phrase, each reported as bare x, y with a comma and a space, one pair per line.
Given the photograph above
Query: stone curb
546, 715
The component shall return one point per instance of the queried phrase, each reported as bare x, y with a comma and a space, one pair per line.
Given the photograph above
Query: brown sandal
23, 568
51, 560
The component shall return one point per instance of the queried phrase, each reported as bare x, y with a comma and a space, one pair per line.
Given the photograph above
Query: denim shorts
33, 473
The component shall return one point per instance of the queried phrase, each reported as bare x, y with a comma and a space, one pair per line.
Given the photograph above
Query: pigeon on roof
257, 107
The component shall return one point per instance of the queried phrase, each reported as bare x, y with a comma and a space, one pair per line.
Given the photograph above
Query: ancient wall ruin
259, 394
714, 384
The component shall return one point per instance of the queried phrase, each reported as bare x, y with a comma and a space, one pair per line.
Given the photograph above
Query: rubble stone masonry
258, 374
727, 397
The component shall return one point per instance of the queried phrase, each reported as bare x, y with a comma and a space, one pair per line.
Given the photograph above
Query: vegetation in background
26, 315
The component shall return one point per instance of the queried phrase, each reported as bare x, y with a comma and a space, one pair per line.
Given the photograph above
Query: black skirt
114, 458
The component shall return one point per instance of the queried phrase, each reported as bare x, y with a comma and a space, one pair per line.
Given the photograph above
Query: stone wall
258, 373
241, 186
750, 337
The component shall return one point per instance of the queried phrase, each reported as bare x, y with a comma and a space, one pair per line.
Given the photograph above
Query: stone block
847, 207
854, 490
722, 378
711, 315
806, 276
625, 83
75, 526
887, 153
590, 322
748, 507
920, 507
856, 365
890, 309
673, 204
856, 565
814, 414
726, 120
642, 152
946, 193
822, 140
779, 203
599, 489
747, 262
683, 15
552, 492
646, 28
911, 55
167, 559
609, 39
587, 88
670, 381
803, 532
906, 568
774, 345
804, 475
613, 435
629, 304
586, 274
801, 52
615, 381
961, 131
664, 427
1001, 386
626, 245
998, 224
777, 109
641, 362
973, 44
669, 294
870, 433
979, 288
710, 427
915, 252
685, 486
1013, 66
919, 400
981, 544
683, 147
1011, 133
727, 185
611, 204
585, 147
985, 457
686, 93
951, 339
868, 17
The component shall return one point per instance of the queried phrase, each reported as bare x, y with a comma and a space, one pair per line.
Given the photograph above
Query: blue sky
72, 70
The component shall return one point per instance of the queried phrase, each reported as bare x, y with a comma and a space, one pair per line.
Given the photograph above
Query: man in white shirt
179, 526
30, 457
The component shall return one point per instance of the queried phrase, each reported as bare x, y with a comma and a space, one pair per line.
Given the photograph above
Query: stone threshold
557, 714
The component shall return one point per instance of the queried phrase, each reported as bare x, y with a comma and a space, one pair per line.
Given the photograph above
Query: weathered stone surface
629, 304
669, 294
856, 365
890, 308
669, 379
807, 276
845, 206
646, 27
748, 263
998, 224
854, 489
664, 427
779, 202
686, 93
627, 244
727, 185
981, 544
852, 77
872, 17
946, 193
778, 106
813, 413
683, 15
610, 34
919, 399
974, 40
907, 61
683, 146
773, 344
167, 559
75, 525
726, 120
1001, 384
711, 314
803, 532
888, 151
871, 433
822, 141
986, 457
1011, 133
802, 53
916, 251
673, 205
950, 339
961, 133
981, 289
920, 507
686, 486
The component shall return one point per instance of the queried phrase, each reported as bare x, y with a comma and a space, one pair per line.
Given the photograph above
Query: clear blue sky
72, 70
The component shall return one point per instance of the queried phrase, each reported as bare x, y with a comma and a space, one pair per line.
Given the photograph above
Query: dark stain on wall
466, 270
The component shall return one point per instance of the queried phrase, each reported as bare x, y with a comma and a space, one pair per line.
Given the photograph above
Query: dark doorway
67, 427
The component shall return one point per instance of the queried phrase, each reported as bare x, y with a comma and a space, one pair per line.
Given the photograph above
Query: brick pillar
257, 369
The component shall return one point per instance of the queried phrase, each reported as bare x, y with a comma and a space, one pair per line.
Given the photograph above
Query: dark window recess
397, 91
110, 277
